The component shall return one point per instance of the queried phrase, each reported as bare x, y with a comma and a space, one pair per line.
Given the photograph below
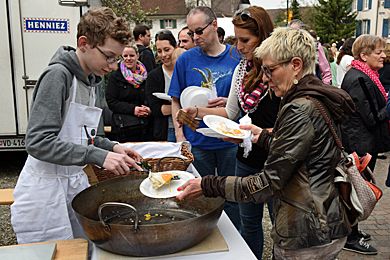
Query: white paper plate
209, 132
162, 96
195, 96
168, 190
217, 123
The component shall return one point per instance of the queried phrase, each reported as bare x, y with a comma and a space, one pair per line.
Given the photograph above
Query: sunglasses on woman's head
198, 31
244, 14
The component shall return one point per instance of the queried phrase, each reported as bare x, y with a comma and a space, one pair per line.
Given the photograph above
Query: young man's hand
121, 159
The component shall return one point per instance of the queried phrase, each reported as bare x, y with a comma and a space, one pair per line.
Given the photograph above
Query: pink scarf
134, 78
372, 74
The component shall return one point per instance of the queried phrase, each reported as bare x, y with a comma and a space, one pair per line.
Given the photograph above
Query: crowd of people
271, 75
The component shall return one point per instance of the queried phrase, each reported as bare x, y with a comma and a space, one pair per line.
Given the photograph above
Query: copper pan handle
112, 204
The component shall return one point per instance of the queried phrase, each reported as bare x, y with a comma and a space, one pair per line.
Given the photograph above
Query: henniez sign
49, 25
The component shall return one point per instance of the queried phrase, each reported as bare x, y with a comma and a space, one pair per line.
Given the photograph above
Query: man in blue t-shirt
220, 59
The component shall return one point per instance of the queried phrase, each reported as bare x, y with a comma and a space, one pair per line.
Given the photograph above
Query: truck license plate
6, 143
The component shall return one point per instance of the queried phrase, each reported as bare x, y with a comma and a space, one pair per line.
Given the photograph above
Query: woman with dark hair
158, 81
344, 60
367, 130
248, 95
125, 95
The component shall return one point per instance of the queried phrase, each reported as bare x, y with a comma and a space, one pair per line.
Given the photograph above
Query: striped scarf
248, 100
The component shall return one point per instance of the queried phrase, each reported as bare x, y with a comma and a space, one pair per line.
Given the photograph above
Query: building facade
172, 14
373, 17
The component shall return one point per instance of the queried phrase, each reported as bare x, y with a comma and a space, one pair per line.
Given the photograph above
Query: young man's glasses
267, 70
109, 59
198, 31
244, 14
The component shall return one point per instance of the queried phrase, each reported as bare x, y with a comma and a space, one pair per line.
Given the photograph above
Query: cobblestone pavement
378, 224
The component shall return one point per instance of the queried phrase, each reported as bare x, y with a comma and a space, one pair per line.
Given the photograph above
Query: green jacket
299, 170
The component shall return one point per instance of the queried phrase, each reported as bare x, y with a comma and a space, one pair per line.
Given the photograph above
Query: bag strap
328, 121
325, 115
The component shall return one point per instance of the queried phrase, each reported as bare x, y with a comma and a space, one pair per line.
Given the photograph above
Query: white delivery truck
31, 30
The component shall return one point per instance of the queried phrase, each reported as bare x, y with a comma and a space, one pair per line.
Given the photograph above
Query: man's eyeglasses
267, 70
244, 14
109, 59
198, 31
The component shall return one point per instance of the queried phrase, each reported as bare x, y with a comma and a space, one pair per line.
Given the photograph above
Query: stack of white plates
195, 96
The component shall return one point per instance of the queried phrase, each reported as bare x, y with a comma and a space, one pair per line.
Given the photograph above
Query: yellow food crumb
147, 216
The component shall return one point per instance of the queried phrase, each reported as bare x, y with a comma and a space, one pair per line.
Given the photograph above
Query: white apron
43, 194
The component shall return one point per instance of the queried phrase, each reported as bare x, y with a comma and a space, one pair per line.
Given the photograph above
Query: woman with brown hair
248, 95
158, 81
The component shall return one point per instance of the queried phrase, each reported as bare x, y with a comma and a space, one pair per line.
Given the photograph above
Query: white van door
7, 111
37, 28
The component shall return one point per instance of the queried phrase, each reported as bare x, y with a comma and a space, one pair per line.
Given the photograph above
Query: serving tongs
146, 167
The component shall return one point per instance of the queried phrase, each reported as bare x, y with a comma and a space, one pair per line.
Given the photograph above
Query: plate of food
162, 185
162, 96
195, 96
209, 132
225, 127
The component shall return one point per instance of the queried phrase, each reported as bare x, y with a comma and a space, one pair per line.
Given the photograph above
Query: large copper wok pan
144, 227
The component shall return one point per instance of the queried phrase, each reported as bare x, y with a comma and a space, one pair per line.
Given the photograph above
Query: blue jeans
251, 215
224, 160
171, 135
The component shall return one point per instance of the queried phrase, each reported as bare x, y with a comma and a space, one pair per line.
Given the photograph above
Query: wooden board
6, 196
213, 243
74, 249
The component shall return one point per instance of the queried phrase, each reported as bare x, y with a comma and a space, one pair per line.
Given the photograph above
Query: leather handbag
353, 178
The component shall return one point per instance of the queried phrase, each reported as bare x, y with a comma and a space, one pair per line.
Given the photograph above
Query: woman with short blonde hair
310, 221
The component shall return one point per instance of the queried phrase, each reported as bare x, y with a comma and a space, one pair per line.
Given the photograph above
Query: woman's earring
295, 81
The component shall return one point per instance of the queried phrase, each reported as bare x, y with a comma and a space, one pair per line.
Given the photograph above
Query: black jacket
367, 130
146, 57
384, 76
122, 98
156, 83
264, 116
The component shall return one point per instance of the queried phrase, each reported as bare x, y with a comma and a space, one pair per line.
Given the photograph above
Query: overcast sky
273, 4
